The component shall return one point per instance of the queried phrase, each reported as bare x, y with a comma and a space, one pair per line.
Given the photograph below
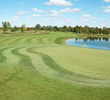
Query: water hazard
91, 42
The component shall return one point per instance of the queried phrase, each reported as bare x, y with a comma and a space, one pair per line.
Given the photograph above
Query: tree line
77, 29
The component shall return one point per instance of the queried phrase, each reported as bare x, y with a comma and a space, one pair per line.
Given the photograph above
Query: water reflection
95, 39
92, 42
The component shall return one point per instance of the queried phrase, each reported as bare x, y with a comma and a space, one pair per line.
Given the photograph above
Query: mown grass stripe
15, 41
11, 58
24, 59
50, 62
29, 40
2, 57
5, 40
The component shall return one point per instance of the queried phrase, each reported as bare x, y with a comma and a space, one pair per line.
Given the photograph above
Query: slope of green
40, 67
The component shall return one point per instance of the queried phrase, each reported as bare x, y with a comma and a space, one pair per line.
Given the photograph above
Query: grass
40, 67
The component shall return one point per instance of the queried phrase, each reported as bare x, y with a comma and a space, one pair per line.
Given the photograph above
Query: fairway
41, 67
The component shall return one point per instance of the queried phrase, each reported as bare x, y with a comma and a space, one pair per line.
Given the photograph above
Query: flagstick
85, 47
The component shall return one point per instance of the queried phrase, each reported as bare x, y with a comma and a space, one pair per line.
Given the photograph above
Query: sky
94, 13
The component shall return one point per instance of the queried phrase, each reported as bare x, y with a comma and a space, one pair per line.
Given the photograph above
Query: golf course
39, 66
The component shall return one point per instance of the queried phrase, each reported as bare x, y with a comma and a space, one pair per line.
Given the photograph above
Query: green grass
40, 67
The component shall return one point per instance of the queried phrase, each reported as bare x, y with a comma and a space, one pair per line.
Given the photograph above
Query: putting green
86, 68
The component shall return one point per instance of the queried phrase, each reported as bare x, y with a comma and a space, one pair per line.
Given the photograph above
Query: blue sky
94, 13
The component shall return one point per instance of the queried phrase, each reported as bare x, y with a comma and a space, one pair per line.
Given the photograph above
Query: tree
70, 29
91, 30
55, 28
6, 26
48, 28
43, 28
13, 29
23, 28
105, 31
76, 29
80, 29
96, 30
100, 30
38, 27
28, 29
64, 28
86, 29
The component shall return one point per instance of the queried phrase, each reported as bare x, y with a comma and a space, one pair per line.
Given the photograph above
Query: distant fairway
41, 67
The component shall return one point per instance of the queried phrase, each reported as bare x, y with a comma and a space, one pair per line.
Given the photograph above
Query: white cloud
86, 18
22, 12
66, 10
53, 11
34, 15
55, 15
15, 20
29, 16
28, 19
59, 3
15, 17
106, 1
106, 9
38, 11
68, 21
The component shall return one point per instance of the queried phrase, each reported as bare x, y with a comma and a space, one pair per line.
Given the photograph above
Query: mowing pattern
29, 52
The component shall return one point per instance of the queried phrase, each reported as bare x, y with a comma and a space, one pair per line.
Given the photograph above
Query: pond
91, 42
